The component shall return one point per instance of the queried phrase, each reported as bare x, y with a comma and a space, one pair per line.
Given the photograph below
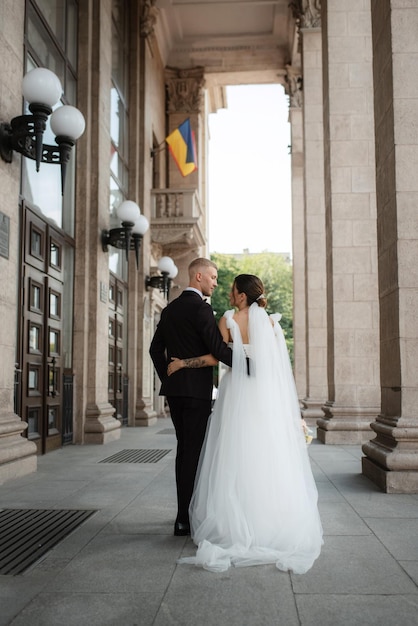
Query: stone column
95, 422
17, 454
315, 248
145, 69
293, 78
351, 248
392, 457
298, 245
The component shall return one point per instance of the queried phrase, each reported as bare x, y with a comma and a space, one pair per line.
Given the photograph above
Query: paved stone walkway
119, 567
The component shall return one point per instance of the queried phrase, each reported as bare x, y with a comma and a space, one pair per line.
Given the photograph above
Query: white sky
249, 172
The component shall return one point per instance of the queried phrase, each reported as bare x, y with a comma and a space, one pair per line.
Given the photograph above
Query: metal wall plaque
4, 235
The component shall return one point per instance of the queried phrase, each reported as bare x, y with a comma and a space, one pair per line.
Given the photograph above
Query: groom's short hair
199, 263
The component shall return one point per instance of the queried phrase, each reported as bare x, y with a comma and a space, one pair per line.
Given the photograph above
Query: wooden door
117, 378
41, 332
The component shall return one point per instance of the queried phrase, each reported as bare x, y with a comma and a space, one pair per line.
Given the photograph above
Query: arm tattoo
194, 362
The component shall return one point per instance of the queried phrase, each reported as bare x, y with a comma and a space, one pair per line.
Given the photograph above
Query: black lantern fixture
42, 90
163, 282
129, 236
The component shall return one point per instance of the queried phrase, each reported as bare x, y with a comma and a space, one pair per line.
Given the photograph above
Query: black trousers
190, 418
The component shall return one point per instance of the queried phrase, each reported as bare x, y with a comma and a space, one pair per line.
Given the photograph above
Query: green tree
276, 274
228, 268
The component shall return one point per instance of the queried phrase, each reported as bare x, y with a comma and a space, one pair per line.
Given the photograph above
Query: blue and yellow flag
182, 145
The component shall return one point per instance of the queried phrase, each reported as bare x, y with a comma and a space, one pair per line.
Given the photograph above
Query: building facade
78, 313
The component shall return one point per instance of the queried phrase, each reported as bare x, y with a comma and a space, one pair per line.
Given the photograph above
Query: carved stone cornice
148, 18
294, 86
179, 233
178, 252
184, 89
307, 13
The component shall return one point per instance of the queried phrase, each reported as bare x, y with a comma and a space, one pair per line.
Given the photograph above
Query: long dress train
255, 499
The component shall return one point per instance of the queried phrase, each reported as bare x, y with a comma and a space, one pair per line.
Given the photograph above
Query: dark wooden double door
41, 335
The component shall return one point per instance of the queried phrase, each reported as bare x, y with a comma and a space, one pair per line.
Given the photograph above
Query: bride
255, 499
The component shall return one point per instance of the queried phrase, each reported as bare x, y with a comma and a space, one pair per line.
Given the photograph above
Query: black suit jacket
187, 328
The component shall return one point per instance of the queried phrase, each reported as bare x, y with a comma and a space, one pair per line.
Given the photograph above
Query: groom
187, 328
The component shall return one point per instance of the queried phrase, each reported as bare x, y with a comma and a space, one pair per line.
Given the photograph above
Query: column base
144, 414
391, 460
345, 425
18, 468
18, 456
312, 411
100, 426
390, 481
145, 418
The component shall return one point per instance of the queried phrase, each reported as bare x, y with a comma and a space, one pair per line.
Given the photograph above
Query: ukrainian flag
182, 145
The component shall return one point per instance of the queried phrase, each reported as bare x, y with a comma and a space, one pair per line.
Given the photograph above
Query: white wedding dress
255, 499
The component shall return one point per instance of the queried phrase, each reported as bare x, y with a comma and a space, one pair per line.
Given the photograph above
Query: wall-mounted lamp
42, 89
129, 237
168, 271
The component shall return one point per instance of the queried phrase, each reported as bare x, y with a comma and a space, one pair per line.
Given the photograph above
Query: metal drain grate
136, 456
167, 431
27, 534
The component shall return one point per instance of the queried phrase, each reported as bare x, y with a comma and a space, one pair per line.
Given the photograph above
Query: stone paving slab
411, 568
328, 492
357, 610
339, 518
76, 609
355, 565
125, 563
402, 544
16, 592
384, 505
119, 567
254, 596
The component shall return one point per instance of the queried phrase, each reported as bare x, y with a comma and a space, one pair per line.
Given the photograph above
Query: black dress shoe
181, 530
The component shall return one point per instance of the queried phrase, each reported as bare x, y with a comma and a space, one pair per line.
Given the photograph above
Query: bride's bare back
241, 318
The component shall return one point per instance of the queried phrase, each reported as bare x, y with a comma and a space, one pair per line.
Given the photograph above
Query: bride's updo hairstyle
252, 287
